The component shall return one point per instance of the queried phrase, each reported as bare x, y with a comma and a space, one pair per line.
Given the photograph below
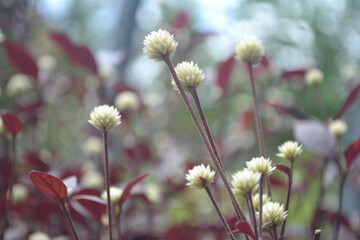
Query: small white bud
18, 83
189, 74
92, 179
107, 71
244, 182
105, 117
249, 50
115, 194
39, 236
260, 165
126, 101
200, 176
338, 128
158, 44
19, 193
273, 214
46, 62
314, 76
289, 150
92, 146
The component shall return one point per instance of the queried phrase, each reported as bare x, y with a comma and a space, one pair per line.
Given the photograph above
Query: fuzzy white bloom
92, 179
314, 76
127, 100
107, 71
245, 181
189, 74
158, 44
46, 62
289, 150
273, 214
39, 236
255, 199
92, 146
250, 50
19, 193
115, 194
153, 192
260, 165
349, 72
200, 176
338, 128
18, 83
2, 36
105, 117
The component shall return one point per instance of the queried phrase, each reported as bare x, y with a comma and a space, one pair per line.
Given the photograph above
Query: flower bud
39, 236
126, 101
158, 44
92, 179
273, 214
92, 146
260, 165
46, 62
19, 193
249, 50
200, 176
244, 182
189, 74
314, 76
104, 117
115, 194
338, 128
289, 150
18, 84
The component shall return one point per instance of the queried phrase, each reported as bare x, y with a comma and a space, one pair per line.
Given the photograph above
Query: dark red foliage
299, 73
244, 227
288, 110
130, 185
181, 233
5, 170
352, 152
11, 122
352, 97
30, 110
21, 59
180, 20
33, 161
138, 152
276, 182
283, 169
49, 185
77, 54
41, 209
224, 73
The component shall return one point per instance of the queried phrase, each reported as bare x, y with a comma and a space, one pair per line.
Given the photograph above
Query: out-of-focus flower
249, 50
105, 117
19, 193
2, 129
158, 44
260, 165
314, 76
338, 128
92, 146
273, 214
200, 176
189, 74
18, 83
39, 236
107, 71
289, 150
2, 36
115, 194
244, 182
92, 179
349, 72
46, 62
153, 192
126, 101
255, 199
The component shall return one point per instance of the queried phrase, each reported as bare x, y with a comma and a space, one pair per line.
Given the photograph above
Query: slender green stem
240, 214
69, 219
107, 181
288, 197
260, 204
222, 218
253, 215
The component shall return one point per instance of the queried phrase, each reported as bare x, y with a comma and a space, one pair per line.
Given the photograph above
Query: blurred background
88, 52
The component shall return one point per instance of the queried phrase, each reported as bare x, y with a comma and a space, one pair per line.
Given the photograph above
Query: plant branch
260, 204
288, 197
253, 215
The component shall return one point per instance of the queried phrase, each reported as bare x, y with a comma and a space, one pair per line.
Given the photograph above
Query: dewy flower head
189, 74
105, 117
261, 165
289, 150
200, 176
115, 194
273, 214
127, 100
250, 50
158, 44
255, 199
314, 76
245, 181
338, 128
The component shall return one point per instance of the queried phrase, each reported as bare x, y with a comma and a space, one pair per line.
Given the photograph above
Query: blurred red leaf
352, 152
274, 181
224, 73
11, 123
180, 233
90, 203
21, 59
288, 110
49, 185
283, 169
33, 160
180, 20
244, 227
349, 101
299, 73
130, 185
78, 54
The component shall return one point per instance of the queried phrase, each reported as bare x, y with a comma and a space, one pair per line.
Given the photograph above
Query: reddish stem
288, 197
69, 219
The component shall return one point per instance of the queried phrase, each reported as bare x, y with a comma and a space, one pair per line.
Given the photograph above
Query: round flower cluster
256, 202
158, 44
250, 50
115, 194
273, 214
200, 176
261, 165
289, 150
338, 128
314, 76
105, 117
189, 74
245, 181
126, 101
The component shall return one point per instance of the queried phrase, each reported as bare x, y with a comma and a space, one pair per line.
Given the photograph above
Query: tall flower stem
288, 197
275, 233
69, 219
259, 131
240, 214
260, 204
253, 215
223, 220
107, 181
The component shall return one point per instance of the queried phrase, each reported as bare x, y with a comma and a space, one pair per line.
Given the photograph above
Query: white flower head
105, 117
189, 74
249, 50
314, 76
18, 84
39, 236
92, 146
46, 62
261, 165
255, 199
245, 181
200, 176
92, 179
289, 150
107, 71
127, 100
115, 194
273, 214
158, 44
338, 128
19, 193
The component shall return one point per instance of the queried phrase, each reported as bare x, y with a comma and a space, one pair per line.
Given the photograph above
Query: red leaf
130, 185
300, 73
21, 59
90, 202
283, 168
49, 185
244, 227
288, 110
180, 20
78, 54
224, 73
33, 160
349, 101
11, 123
352, 152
